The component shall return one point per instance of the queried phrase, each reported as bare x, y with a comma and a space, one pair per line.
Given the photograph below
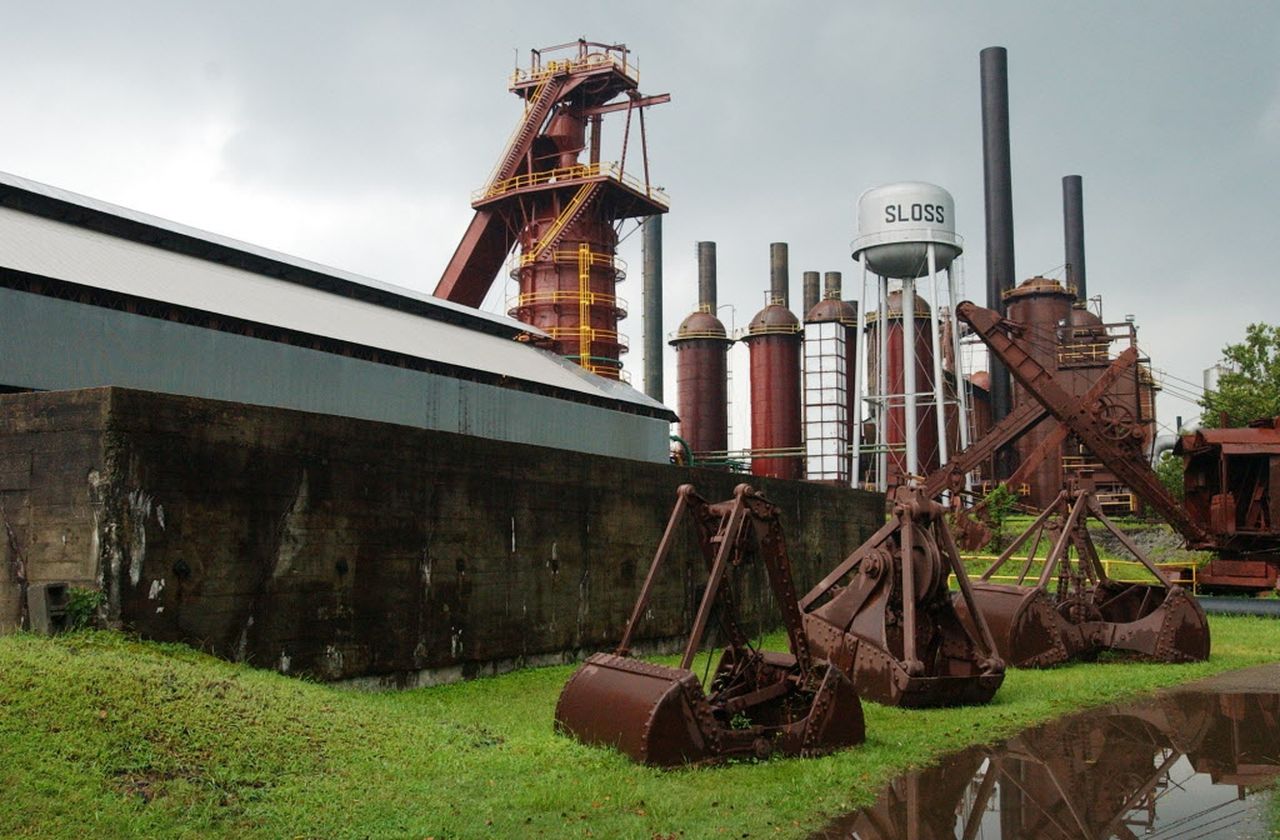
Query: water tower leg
962, 385
910, 416
939, 404
859, 386
882, 392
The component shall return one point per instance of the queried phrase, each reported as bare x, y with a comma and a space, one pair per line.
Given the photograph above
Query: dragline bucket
758, 703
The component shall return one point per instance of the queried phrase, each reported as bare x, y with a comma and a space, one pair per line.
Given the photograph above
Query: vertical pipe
652, 326
882, 375
859, 381
939, 403
998, 195
910, 417
707, 277
962, 385
779, 277
1073, 233
812, 292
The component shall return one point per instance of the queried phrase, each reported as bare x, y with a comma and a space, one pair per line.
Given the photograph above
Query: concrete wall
348, 549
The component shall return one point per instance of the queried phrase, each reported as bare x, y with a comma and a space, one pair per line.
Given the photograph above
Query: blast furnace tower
562, 212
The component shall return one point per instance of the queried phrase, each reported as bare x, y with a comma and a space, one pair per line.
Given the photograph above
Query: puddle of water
1180, 765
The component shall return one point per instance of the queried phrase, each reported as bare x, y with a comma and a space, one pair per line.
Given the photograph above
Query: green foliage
1169, 471
1000, 503
1251, 390
83, 606
161, 741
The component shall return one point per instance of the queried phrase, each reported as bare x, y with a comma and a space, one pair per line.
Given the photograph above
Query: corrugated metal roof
218, 241
74, 253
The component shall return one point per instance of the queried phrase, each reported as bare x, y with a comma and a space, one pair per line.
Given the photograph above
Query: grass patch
102, 734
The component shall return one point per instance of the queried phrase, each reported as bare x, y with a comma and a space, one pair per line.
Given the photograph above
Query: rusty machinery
1088, 611
892, 626
562, 212
759, 702
1075, 609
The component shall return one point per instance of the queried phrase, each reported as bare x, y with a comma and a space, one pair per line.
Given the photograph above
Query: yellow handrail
584, 308
563, 174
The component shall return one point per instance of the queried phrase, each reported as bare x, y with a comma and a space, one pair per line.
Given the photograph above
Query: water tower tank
897, 223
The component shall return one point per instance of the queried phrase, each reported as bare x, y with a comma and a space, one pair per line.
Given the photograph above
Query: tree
1169, 471
1250, 390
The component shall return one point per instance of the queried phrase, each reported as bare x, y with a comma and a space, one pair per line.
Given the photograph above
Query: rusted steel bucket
1088, 612
1028, 631
892, 627
661, 716
1164, 624
759, 702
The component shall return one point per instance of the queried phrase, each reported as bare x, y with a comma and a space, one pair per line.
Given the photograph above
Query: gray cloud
353, 134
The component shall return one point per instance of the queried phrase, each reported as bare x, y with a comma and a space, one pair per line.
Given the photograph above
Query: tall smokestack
779, 280
1073, 233
812, 290
652, 326
831, 285
998, 191
707, 276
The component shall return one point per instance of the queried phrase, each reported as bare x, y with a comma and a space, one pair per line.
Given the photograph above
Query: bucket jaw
757, 704
1086, 611
660, 716
892, 627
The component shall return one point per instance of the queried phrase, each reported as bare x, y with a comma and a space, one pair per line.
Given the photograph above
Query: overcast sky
353, 134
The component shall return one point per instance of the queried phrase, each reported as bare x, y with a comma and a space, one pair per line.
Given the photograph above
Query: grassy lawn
108, 737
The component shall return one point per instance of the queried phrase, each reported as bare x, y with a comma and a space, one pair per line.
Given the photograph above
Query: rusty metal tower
563, 213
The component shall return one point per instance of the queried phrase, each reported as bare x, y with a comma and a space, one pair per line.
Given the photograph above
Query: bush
83, 606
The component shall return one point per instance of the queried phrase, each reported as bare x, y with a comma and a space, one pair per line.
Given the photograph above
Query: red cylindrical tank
1043, 307
773, 338
702, 383
571, 294
895, 435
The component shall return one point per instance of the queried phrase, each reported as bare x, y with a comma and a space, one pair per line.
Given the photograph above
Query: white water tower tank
896, 224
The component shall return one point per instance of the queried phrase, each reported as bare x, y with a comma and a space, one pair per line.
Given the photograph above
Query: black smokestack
652, 326
707, 276
812, 290
1073, 233
779, 275
998, 191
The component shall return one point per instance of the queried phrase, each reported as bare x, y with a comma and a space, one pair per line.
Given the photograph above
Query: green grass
108, 737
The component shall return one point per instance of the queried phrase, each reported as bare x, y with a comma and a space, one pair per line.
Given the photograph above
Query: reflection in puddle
1179, 765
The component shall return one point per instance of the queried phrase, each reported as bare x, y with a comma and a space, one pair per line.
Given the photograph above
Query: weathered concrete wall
348, 549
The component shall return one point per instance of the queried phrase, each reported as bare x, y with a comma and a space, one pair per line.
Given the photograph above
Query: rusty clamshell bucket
892, 627
1088, 612
759, 702
660, 716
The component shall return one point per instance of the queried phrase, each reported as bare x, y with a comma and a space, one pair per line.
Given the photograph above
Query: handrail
590, 61
566, 175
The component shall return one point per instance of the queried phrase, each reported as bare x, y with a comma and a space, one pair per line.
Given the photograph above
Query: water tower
906, 233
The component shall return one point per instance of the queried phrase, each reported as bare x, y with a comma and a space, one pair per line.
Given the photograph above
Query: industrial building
92, 294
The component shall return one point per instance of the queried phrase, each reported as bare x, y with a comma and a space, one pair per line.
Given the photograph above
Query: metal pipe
935, 339
652, 323
1073, 233
962, 385
998, 195
910, 417
859, 377
812, 291
882, 402
707, 277
779, 278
